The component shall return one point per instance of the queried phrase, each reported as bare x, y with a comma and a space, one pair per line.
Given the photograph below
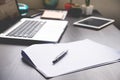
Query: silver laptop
29, 28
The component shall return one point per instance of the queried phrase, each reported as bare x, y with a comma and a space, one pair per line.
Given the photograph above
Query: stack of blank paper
54, 14
81, 55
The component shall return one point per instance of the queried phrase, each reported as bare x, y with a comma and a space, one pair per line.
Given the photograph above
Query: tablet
94, 22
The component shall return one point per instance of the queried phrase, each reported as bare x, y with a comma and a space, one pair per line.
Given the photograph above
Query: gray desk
12, 67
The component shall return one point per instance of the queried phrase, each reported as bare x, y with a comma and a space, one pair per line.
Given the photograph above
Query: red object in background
68, 6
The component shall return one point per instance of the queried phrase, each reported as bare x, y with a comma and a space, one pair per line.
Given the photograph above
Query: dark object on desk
75, 12
35, 12
94, 22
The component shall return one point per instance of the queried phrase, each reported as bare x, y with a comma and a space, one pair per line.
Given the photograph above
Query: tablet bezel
92, 26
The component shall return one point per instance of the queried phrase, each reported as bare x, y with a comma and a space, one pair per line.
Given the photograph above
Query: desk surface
12, 67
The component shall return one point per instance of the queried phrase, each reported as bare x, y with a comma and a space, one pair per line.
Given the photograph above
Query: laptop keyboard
27, 29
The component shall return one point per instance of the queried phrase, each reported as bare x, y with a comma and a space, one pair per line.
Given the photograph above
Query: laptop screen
8, 13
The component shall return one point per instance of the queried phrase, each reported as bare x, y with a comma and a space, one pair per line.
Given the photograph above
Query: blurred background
108, 8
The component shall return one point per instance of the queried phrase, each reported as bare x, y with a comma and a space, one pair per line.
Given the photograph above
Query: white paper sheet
81, 55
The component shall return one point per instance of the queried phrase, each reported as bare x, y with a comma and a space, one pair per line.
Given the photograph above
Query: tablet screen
94, 22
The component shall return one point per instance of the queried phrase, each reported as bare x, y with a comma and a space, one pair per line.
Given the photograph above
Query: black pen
59, 57
37, 14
